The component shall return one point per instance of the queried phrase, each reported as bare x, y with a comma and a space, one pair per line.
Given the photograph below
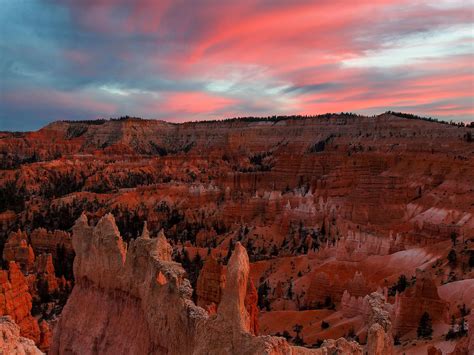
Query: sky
211, 59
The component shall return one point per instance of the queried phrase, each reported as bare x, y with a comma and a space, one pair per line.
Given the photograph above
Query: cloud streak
189, 60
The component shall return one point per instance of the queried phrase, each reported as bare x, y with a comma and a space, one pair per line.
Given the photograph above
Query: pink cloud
194, 102
207, 59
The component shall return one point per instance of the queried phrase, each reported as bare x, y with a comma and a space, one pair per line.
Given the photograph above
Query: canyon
329, 234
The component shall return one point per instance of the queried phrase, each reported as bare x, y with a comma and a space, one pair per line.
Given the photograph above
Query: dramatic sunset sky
191, 60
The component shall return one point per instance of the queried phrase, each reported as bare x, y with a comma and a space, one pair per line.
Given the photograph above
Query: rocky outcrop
163, 249
377, 325
351, 306
358, 246
128, 292
135, 281
210, 284
16, 301
45, 339
43, 241
379, 338
323, 288
210, 287
17, 290
251, 301
358, 285
12, 343
46, 277
319, 289
17, 249
411, 304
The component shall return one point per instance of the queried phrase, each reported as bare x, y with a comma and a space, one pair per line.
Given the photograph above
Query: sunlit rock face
15, 301
29, 279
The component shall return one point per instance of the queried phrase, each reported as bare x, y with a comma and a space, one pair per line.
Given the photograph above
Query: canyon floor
329, 234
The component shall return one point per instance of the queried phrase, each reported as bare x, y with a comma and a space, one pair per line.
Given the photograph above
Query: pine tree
298, 340
452, 258
471, 259
229, 251
425, 328
263, 296
454, 237
289, 293
402, 283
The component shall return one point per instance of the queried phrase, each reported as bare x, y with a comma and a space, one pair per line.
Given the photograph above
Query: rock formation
251, 300
379, 338
319, 289
45, 273
210, 284
377, 325
134, 281
351, 306
411, 304
46, 334
141, 283
17, 291
18, 249
210, 287
163, 249
43, 241
12, 343
15, 301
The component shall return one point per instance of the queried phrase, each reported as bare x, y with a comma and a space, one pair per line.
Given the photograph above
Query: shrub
452, 257
425, 328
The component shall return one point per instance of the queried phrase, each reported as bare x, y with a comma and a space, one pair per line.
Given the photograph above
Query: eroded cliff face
210, 288
136, 297
138, 301
130, 294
